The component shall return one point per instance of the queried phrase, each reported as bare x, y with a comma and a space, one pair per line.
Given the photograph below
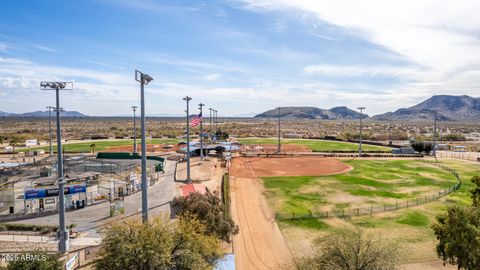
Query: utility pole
210, 122
50, 128
435, 134
201, 130
134, 108
361, 126
143, 79
279, 143
187, 99
216, 120
62, 232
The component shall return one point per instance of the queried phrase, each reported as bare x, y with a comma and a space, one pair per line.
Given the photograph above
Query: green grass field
319, 145
410, 228
370, 182
84, 147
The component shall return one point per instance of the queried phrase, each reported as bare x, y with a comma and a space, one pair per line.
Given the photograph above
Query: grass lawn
319, 145
103, 145
410, 228
371, 182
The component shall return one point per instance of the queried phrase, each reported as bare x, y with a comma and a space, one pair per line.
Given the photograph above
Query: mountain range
313, 113
448, 108
41, 114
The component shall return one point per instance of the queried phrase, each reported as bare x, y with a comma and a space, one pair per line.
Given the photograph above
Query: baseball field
270, 194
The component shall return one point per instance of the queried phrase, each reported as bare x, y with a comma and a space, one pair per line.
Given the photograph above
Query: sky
240, 57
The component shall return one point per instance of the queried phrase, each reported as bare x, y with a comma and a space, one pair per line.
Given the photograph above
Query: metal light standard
62, 232
279, 144
200, 107
143, 79
361, 126
187, 99
50, 128
210, 122
134, 108
216, 120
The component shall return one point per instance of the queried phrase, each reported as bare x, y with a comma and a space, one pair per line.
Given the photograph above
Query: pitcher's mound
287, 166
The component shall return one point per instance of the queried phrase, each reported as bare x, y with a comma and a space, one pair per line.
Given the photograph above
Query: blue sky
240, 57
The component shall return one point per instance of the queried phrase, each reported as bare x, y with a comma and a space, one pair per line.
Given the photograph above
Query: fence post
358, 212
371, 210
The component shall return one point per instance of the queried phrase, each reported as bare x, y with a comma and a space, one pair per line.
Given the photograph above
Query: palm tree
13, 143
93, 146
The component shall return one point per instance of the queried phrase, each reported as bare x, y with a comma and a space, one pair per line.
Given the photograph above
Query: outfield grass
102, 145
371, 181
319, 145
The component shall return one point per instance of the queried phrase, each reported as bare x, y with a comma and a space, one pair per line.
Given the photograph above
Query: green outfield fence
350, 212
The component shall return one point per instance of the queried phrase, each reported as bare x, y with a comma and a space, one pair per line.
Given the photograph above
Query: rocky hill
449, 108
41, 114
312, 113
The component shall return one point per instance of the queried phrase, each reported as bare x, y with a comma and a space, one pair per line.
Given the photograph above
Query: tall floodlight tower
361, 126
216, 120
187, 99
200, 107
134, 108
434, 149
210, 123
50, 108
279, 143
143, 79
62, 232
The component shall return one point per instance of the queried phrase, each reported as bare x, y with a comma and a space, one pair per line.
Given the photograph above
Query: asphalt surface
90, 219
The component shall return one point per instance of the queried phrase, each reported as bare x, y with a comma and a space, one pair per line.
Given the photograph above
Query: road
90, 219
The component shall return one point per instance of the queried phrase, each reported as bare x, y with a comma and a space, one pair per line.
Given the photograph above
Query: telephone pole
143, 79
361, 126
210, 122
187, 99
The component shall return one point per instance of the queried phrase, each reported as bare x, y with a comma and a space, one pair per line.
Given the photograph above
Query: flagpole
189, 180
201, 130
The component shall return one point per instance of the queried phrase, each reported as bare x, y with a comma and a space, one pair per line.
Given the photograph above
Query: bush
36, 260
158, 244
29, 227
352, 249
210, 212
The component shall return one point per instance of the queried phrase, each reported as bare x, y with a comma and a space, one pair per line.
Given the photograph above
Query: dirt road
259, 244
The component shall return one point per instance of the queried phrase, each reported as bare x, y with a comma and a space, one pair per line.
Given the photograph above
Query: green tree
158, 244
13, 143
36, 260
210, 211
418, 146
458, 233
93, 147
352, 249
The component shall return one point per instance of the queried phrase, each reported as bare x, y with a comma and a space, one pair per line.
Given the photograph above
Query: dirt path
259, 244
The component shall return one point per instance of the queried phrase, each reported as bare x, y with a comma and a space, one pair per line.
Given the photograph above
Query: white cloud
3, 47
44, 48
212, 77
360, 71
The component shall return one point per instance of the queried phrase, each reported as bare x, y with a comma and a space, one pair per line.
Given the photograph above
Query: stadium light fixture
143, 79
200, 107
63, 235
187, 100
134, 108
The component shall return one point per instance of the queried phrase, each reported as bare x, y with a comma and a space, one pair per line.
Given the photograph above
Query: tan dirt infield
287, 166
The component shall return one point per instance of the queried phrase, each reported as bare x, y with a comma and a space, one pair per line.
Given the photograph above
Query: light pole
210, 122
143, 79
134, 108
50, 128
279, 144
361, 126
434, 150
216, 120
200, 107
62, 232
187, 99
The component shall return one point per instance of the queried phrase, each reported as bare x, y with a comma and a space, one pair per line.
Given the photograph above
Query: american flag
196, 120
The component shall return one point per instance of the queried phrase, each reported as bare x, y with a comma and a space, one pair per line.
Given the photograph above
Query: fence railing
363, 211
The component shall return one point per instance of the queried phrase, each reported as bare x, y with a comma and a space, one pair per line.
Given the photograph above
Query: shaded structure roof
190, 188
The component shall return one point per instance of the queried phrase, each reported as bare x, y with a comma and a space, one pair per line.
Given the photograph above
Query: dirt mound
287, 166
